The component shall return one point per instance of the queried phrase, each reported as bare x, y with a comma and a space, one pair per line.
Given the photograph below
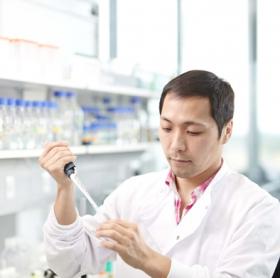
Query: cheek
162, 135
206, 149
165, 141
197, 145
201, 146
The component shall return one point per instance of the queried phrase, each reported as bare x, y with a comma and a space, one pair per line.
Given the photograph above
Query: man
197, 219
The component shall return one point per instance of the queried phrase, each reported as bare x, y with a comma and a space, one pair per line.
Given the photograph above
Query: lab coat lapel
191, 221
159, 224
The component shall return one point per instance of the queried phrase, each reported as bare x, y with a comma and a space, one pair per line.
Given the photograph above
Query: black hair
204, 84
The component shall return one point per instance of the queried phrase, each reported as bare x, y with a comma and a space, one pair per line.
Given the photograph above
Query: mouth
180, 161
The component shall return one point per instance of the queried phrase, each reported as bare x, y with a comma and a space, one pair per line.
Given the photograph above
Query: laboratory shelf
110, 149
79, 150
74, 86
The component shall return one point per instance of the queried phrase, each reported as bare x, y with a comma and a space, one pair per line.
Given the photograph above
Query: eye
194, 133
166, 129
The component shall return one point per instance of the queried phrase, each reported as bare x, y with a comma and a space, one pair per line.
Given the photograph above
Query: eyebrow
185, 123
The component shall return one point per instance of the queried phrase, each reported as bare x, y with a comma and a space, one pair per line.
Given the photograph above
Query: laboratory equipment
70, 171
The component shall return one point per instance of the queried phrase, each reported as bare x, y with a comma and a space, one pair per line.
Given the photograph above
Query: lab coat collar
193, 219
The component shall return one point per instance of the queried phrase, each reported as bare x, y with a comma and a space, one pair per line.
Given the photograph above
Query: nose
178, 142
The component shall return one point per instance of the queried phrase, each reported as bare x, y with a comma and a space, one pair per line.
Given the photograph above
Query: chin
182, 173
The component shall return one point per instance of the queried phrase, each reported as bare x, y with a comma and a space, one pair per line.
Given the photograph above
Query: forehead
194, 108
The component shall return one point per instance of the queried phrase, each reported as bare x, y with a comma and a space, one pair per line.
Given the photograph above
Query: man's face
189, 136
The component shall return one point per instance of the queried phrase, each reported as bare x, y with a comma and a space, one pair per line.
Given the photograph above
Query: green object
109, 267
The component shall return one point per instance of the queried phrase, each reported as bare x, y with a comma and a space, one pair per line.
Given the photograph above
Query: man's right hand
53, 159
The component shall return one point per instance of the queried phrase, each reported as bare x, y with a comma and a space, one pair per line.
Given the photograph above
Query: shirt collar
170, 180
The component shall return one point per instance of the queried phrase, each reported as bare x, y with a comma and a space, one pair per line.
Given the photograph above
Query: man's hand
124, 238
53, 159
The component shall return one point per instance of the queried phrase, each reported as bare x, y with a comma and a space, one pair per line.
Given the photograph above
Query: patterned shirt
195, 194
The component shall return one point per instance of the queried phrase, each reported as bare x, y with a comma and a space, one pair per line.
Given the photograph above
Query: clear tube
78, 183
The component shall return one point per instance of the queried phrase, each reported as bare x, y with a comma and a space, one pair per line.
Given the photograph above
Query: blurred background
91, 72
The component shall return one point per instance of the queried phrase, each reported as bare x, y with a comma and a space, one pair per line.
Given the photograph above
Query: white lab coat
232, 231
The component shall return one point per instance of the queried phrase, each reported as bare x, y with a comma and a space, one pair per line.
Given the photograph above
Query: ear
227, 131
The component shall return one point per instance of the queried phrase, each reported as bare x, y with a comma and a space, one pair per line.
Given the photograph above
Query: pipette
69, 170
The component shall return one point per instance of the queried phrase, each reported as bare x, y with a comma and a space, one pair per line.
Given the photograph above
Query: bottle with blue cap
2, 122
122, 116
19, 124
36, 114
65, 114
11, 140
141, 118
29, 126
56, 122
77, 116
43, 124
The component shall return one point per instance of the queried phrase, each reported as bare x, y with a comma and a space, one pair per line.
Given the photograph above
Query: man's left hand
124, 238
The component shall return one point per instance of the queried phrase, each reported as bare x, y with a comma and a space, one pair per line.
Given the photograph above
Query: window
268, 86
215, 38
147, 35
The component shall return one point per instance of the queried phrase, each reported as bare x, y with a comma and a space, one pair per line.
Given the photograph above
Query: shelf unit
79, 150
68, 85
21, 83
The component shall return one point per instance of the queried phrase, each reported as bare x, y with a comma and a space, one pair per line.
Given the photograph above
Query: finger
112, 235
112, 225
50, 145
55, 166
54, 152
128, 234
115, 246
122, 223
58, 162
